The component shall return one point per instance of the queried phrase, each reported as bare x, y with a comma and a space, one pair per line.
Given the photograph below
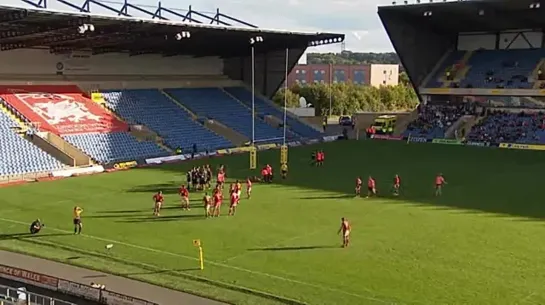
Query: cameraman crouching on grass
36, 226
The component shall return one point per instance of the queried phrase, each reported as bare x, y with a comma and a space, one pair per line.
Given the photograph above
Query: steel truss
159, 12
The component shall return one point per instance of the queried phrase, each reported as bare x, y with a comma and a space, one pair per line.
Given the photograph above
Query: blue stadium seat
268, 108
20, 156
151, 108
215, 104
434, 121
508, 68
510, 128
114, 147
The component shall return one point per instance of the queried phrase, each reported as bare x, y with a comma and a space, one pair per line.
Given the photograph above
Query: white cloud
357, 19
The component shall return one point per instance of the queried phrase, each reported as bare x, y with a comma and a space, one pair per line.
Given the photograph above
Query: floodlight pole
286, 95
330, 90
253, 94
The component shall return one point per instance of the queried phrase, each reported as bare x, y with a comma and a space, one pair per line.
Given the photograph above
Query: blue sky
356, 18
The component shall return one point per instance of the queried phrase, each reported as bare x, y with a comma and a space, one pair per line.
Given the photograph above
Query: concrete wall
303, 112
42, 62
384, 75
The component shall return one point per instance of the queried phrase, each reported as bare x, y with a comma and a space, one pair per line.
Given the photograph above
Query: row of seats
153, 109
433, 121
489, 69
114, 146
268, 108
215, 104
20, 156
501, 126
150, 107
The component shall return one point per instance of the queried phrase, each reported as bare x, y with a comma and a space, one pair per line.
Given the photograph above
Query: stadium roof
59, 31
471, 16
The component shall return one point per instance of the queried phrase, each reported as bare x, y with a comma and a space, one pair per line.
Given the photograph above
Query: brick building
374, 75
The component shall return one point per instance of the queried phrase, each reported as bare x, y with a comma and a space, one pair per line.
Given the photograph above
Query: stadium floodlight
86, 27
182, 35
253, 41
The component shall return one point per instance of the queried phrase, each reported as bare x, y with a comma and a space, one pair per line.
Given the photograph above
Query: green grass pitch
482, 242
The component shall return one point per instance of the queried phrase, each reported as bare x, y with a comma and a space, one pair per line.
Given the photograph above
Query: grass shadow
183, 217
301, 248
21, 236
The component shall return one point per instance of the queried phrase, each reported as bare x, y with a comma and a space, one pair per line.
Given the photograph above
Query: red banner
29, 277
386, 137
79, 290
61, 109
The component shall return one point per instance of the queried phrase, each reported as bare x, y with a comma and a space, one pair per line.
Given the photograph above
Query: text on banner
84, 291
447, 141
29, 277
112, 298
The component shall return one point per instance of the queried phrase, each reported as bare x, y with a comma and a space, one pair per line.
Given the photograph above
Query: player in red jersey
249, 187
184, 193
345, 229
269, 173
396, 185
358, 186
221, 178
158, 202
207, 203
371, 187
218, 197
320, 158
231, 188
238, 188
234, 203
264, 174
439, 182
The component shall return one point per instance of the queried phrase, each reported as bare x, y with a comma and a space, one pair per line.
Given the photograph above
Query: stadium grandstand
478, 67
80, 89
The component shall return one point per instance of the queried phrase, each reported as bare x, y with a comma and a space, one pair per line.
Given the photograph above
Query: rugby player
78, 225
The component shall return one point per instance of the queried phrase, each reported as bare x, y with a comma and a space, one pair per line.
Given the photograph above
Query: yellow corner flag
197, 243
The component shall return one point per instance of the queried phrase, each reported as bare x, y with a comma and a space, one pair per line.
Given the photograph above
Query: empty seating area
215, 104
153, 109
433, 121
114, 147
508, 127
452, 59
267, 108
19, 156
491, 69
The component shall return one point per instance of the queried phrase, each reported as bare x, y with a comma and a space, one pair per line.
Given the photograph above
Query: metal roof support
189, 16
124, 11
218, 15
212, 20
186, 17
40, 4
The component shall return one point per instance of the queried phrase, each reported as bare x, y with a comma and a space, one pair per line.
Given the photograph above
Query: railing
19, 296
22, 177
95, 294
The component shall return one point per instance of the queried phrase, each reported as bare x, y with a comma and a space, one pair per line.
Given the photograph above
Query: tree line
349, 98
353, 58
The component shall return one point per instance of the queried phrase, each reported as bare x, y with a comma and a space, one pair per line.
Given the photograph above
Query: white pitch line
216, 264
273, 245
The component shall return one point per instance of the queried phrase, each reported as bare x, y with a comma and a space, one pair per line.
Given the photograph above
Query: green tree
353, 58
292, 98
404, 78
349, 98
